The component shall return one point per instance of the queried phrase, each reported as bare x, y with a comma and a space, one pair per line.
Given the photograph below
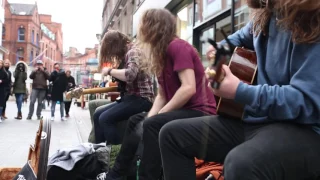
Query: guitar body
243, 64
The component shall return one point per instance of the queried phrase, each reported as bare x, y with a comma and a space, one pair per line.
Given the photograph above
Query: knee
92, 105
135, 120
167, 133
151, 123
239, 163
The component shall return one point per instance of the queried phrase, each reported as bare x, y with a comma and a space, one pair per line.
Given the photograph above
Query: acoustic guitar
242, 63
78, 92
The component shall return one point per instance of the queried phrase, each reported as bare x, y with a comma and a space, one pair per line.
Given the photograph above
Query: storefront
202, 19
198, 20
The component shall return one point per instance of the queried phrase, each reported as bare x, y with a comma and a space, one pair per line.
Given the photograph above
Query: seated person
135, 85
279, 137
94, 106
182, 93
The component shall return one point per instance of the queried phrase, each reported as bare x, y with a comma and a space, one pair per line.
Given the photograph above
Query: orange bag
204, 169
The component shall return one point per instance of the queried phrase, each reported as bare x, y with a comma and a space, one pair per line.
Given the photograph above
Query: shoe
39, 117
4, 116
63, 119
52, 118
67, 116
19, 116
0, 120
106, 176
102, 176
28, 118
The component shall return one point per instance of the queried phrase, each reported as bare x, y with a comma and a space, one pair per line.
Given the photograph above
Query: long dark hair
113, 47
301, 17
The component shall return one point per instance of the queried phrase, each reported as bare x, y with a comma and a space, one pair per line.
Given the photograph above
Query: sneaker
39, 117
28, 118
52, 118
63, 119
106, 176
67, 116
102, 176
0, 120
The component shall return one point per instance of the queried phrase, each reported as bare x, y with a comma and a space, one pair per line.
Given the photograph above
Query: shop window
206, 9
241, 17
208, 33
185, 23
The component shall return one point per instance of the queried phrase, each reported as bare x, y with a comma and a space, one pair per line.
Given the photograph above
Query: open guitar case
36, 166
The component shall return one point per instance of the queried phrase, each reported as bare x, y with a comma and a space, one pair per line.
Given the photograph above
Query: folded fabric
68, 157
103, 155
204, 169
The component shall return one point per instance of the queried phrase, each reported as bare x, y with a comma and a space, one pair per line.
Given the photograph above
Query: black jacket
8, 83
59, 80
4, 78
71, 83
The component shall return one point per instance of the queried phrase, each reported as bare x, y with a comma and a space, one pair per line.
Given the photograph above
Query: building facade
21, 31
27, 34
51, 41
118, 15
198, 20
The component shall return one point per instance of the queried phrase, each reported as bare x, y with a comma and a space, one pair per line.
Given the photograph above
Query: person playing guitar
279, 134
135, 86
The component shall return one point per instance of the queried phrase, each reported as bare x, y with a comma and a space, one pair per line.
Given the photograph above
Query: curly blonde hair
157, 29
301, 17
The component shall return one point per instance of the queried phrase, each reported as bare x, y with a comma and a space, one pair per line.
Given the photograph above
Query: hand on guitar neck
221, 79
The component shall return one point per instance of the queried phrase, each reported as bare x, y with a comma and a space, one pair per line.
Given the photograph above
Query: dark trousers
5, 103
130, 143
105, 119
67, 105
275, 151
151, 159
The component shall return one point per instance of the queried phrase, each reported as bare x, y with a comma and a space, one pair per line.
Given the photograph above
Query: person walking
19, 85
59, 85
8, 86
71, 85
39, 88
4, 78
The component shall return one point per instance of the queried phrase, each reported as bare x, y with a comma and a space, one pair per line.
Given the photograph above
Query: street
17, 135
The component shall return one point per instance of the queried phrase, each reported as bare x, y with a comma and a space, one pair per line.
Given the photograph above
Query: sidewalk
17, 135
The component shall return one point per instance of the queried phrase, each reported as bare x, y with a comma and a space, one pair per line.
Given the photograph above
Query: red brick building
27, 33
51, 40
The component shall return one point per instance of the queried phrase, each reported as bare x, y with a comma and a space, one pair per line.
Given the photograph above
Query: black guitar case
36, 167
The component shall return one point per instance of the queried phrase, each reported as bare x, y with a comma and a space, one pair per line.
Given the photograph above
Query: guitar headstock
222, 56
75, 93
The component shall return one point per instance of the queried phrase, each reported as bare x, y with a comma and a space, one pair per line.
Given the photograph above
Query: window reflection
206, 9
185, 23
209, 33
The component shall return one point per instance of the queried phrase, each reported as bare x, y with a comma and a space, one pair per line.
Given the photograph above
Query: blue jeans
19, 100
106, 119
53, 108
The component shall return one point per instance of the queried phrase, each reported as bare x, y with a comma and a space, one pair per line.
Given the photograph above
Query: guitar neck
100, 90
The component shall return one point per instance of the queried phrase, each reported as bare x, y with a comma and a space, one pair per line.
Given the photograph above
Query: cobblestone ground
17, 135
